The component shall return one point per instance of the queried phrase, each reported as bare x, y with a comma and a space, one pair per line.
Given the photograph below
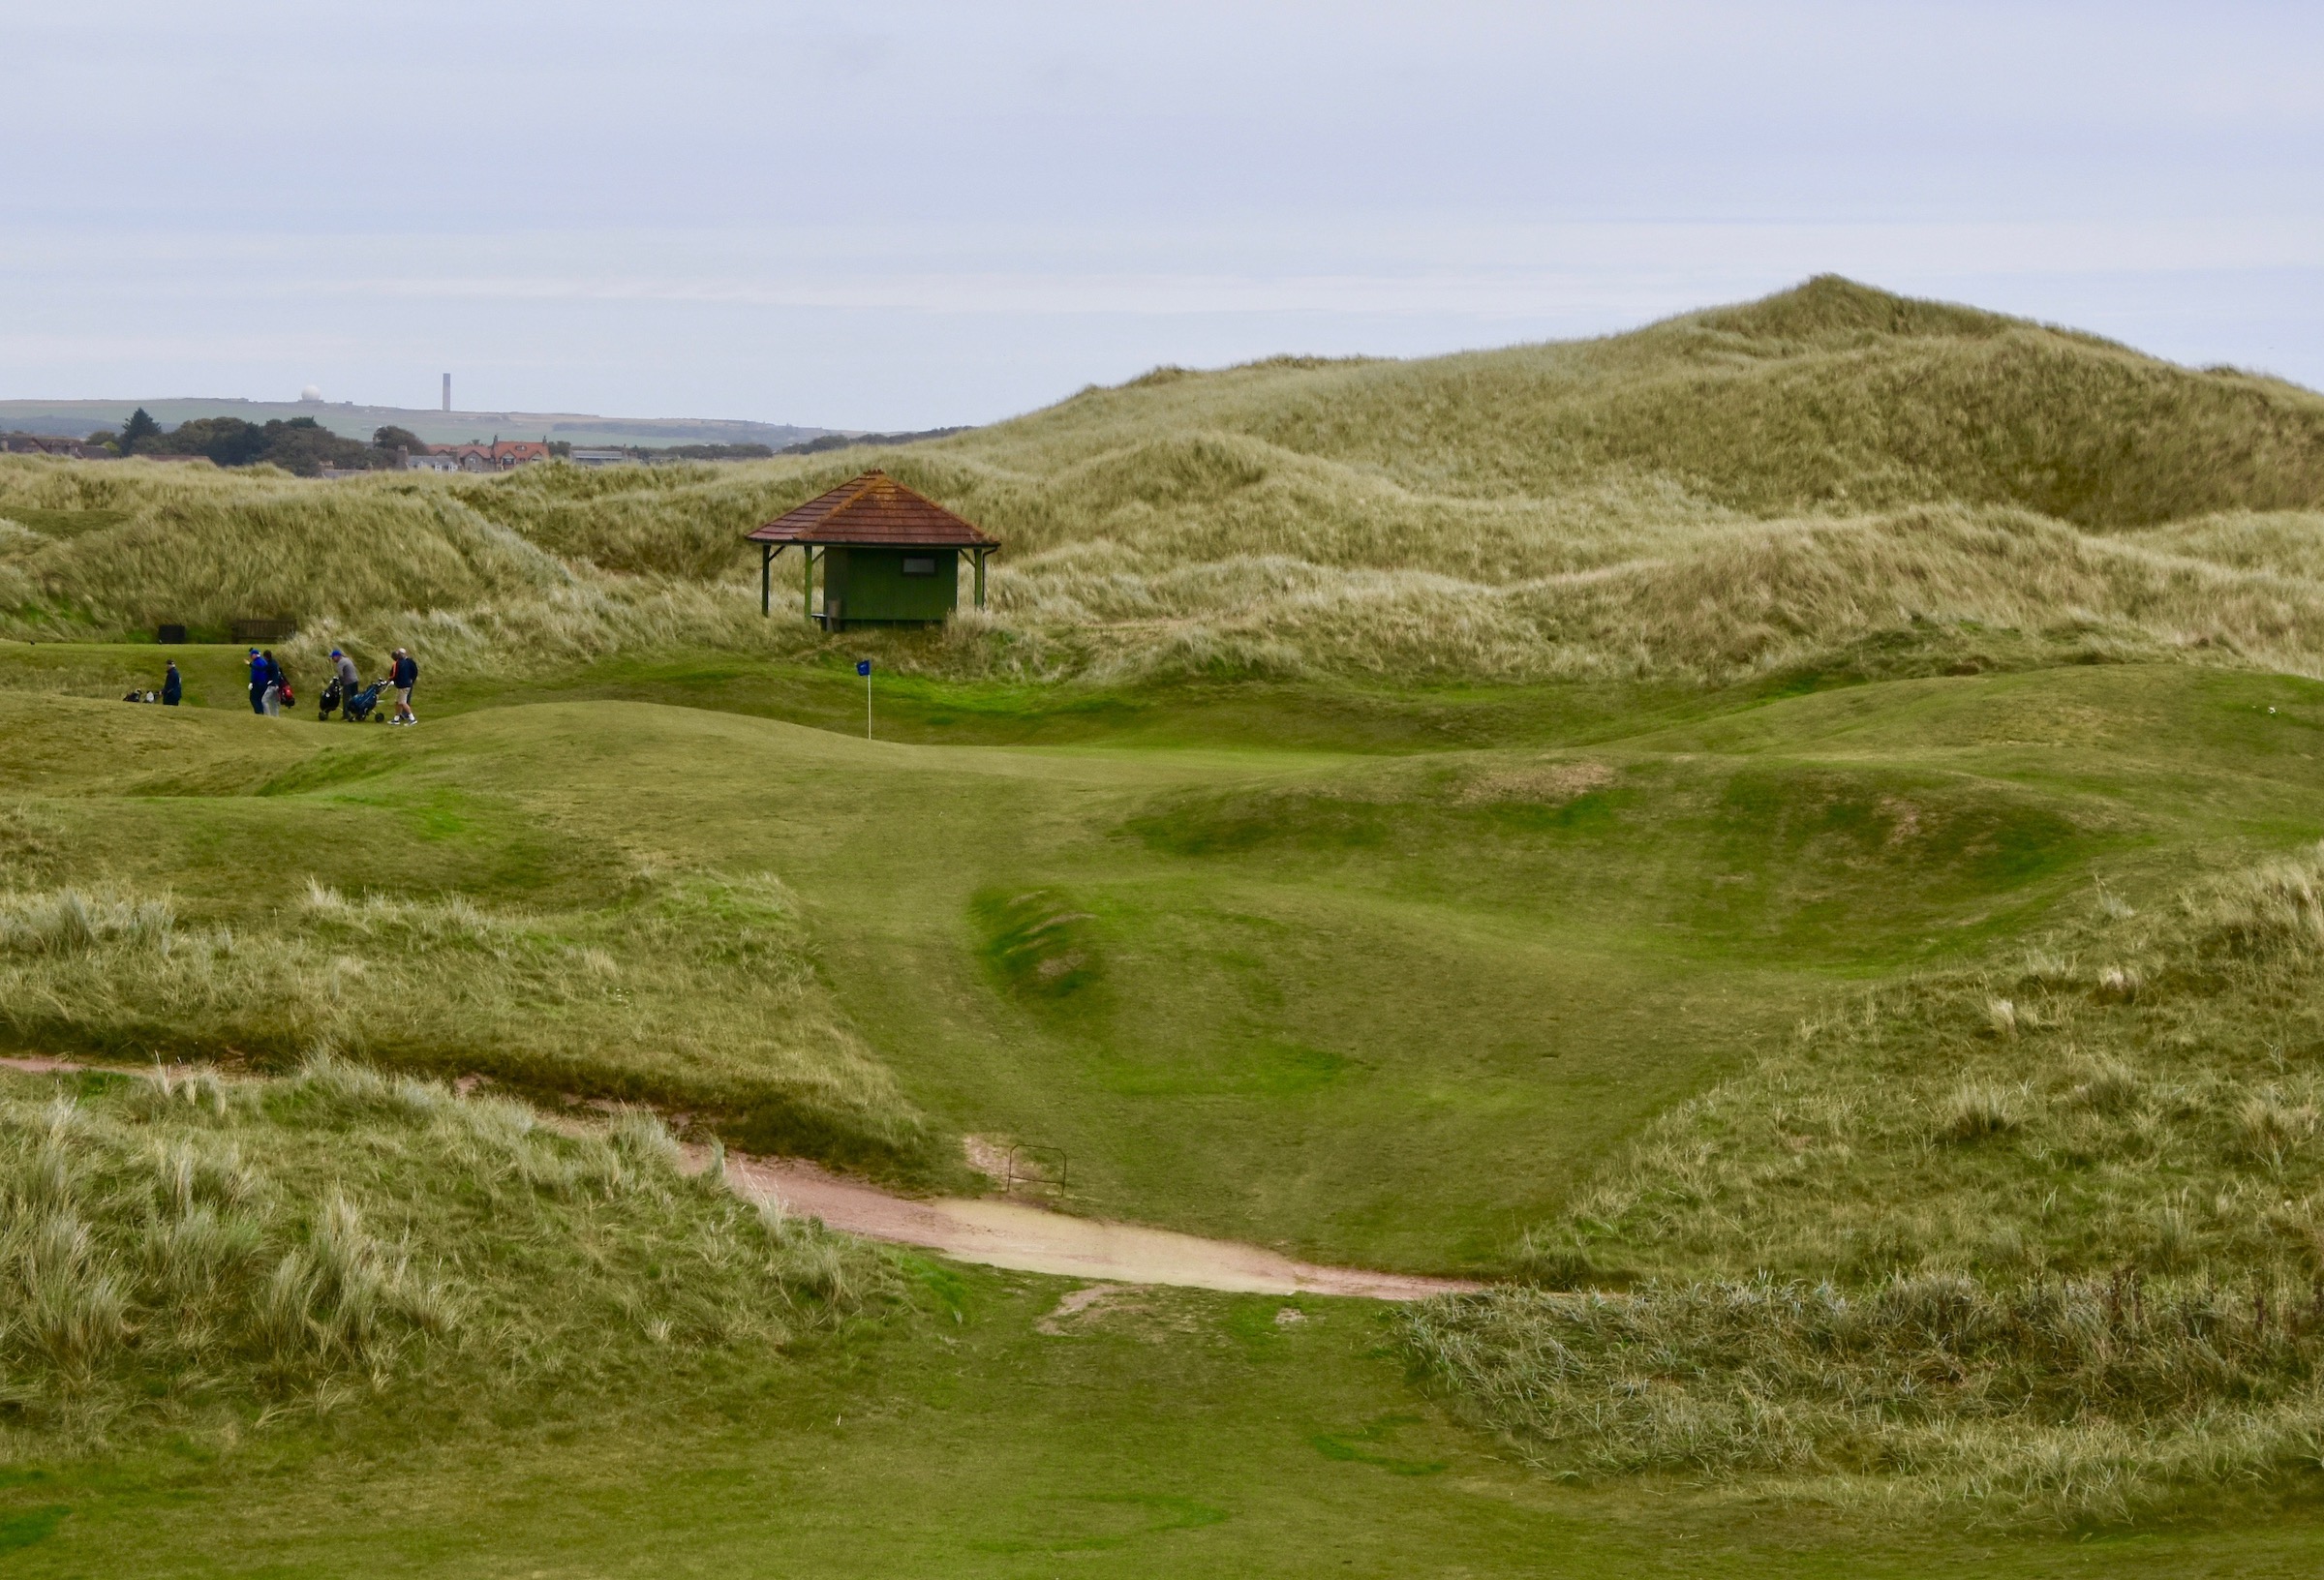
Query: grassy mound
1830, 394
694, 991
199, 885
2047, 1237
185, 1253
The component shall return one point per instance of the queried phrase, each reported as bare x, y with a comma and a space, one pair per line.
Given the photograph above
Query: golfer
261, 676
172, 686
404, 676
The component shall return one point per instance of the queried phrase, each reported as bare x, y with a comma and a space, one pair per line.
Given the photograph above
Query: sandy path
1017, 1234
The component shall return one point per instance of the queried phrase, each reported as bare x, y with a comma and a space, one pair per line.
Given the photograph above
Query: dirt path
1018, 1235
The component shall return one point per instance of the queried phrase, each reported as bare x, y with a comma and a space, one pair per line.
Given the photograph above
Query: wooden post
766, 579
980, 578
806, 553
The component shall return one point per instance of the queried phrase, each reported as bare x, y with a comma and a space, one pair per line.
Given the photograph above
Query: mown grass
187, 1254
1373, 1005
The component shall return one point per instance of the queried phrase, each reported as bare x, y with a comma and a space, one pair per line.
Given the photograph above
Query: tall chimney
447, 392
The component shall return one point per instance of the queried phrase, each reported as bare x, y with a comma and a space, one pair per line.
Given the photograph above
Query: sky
888, 216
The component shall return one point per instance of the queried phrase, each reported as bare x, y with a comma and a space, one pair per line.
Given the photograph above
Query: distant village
303, 446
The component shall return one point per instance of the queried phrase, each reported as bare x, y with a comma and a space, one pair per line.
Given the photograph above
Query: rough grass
1713, 497
2047, 1239
693, 990
185, 1252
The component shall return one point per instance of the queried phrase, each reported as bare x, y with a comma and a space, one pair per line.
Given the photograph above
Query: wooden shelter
889, 556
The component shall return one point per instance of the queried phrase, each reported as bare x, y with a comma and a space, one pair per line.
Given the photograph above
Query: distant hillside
1830, 396
1833, 475
352, 421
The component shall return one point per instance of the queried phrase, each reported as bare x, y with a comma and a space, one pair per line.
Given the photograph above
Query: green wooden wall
870, 584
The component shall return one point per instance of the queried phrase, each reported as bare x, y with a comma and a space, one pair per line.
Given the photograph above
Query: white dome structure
312, 393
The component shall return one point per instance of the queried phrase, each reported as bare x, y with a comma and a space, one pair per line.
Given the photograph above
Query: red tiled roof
494, 451
874, 509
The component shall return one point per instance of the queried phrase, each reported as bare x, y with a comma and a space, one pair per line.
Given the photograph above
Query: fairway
1373, 1009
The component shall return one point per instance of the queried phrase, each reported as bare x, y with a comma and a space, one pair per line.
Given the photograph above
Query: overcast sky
892, 215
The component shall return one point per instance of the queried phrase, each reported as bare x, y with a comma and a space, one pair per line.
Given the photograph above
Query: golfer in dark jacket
261, 676
404, 677
173, 687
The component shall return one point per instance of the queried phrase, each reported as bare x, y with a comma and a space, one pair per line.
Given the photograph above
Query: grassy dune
2043, 1234
185, 1254
1713, 497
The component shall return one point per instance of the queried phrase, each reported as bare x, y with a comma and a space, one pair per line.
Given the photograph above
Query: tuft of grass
69, 922
2106, 1084
1977, 1111
2270, 1130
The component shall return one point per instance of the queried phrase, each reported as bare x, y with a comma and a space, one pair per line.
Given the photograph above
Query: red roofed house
889, 557
498, 456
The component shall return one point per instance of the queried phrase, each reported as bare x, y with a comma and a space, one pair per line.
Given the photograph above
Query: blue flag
863, 666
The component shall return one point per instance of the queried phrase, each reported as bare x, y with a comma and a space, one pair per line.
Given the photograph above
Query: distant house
890, 556
51, 444
498, 456
600, 458
432, 461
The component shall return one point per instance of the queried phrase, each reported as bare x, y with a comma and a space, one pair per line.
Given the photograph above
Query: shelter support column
766, 579
980, 578
807, 583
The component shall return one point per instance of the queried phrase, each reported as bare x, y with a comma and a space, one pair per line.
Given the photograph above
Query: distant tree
105, 437
139, 431
305, 447
392, 439
229, 441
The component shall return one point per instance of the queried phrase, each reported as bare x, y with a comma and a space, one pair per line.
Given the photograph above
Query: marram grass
191, 1253
2047, 1239
1715, 497
691, 990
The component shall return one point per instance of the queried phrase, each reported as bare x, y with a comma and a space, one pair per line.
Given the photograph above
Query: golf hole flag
863, 667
